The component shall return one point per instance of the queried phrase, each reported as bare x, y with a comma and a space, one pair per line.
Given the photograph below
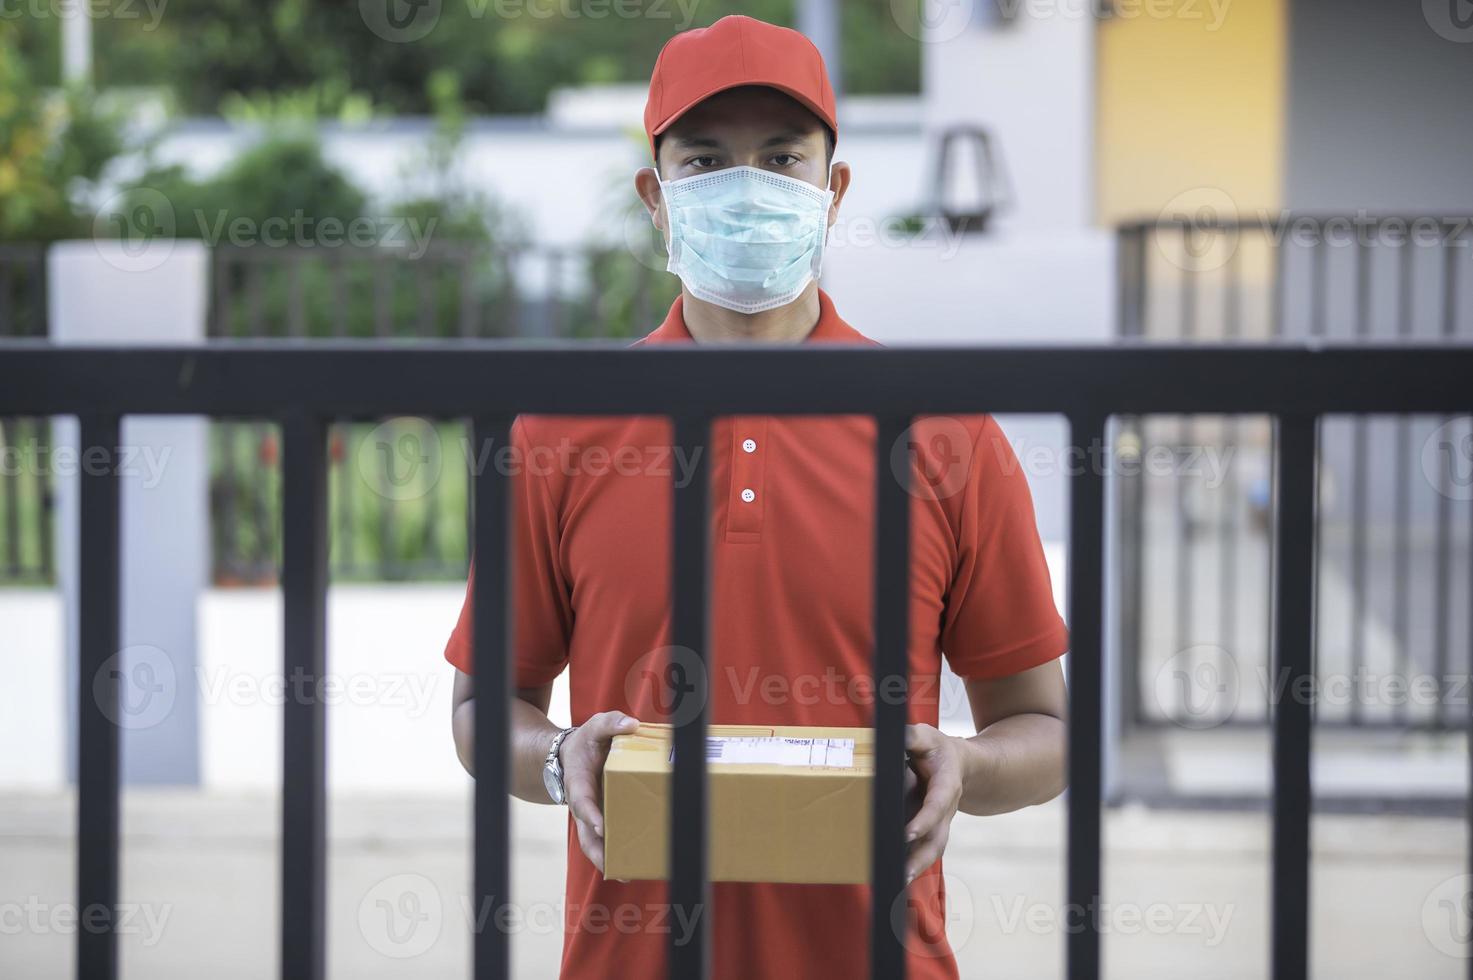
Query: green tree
507, 55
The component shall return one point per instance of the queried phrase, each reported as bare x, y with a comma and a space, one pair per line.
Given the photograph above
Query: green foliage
506, 55
53, 148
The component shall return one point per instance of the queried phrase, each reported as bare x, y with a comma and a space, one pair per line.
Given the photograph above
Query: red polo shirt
792, 511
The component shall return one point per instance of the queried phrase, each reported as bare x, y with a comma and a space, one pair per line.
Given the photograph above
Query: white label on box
740, 749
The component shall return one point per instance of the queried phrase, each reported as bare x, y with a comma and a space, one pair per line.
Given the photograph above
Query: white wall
569, 183
388, 704
1030, 82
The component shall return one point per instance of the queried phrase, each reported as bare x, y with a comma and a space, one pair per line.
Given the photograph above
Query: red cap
735, 51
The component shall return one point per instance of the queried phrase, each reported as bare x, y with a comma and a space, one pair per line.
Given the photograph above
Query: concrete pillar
131, 293
818, 20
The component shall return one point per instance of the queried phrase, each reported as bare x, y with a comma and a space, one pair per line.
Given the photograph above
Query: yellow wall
1191, 105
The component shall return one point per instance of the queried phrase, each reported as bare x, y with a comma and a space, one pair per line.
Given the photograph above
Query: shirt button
749, 445
749, 495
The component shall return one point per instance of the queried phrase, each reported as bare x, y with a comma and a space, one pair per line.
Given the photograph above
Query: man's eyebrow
786, 138
694, 141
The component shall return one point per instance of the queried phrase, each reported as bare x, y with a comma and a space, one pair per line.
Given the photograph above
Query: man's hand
936, 761
583, 754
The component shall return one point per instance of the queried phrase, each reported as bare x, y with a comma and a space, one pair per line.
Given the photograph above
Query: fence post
1086, 696
1295, 469
117, 293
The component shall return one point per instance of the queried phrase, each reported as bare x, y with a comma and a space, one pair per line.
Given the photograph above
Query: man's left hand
936, 760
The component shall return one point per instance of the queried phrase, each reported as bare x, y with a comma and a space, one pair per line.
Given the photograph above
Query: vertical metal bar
426, 296
99, 607
1401, 501
690, 956
225, 434
1185, 584
1130, 273
554, 314
10, 481
1144, 292
339, 272
388, 560
1295, 472
1360, 492
266, 525
469, 315
510, 304
255, 293
304, 720
41, 326
1278, 290
41, 429
641, 305
1086, 569
1130, 562
1318, 286
218, 324
891, 608
492, 631
1227, 591
8, 323
296, 311
384, 282
348, 482
1442, 614
430, 549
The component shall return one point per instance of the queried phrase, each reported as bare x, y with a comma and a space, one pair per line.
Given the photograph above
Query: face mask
746, 239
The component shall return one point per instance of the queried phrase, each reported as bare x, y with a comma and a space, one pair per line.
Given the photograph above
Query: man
742, 125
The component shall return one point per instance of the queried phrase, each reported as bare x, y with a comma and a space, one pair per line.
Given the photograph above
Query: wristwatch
552, 769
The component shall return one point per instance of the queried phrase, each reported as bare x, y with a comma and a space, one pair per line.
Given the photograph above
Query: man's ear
647, 186
840, 177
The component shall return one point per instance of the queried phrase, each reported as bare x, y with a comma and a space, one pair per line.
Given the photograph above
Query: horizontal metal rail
462, 380
304, 388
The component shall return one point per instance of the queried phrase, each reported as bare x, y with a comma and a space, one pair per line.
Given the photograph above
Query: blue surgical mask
744, 238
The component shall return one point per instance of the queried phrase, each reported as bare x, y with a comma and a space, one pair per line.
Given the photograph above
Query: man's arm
531, 735
582, 754
1016, 759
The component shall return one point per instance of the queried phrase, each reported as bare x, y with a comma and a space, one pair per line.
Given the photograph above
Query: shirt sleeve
1000, 613
543, 613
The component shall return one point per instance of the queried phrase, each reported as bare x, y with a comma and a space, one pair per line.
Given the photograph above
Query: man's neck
791, 324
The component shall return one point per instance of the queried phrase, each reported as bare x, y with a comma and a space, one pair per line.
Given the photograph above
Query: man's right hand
582, 754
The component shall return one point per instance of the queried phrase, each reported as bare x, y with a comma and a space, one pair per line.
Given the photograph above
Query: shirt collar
829, 329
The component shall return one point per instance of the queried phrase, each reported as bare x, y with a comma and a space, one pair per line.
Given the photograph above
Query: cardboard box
786, 804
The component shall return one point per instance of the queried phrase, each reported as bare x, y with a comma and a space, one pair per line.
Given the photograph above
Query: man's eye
785, 160
703, 163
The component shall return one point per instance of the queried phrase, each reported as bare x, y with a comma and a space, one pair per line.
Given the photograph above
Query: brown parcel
768, 822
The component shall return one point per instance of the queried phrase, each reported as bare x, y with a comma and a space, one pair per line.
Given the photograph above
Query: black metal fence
304, 389
1395, 544
453, 290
